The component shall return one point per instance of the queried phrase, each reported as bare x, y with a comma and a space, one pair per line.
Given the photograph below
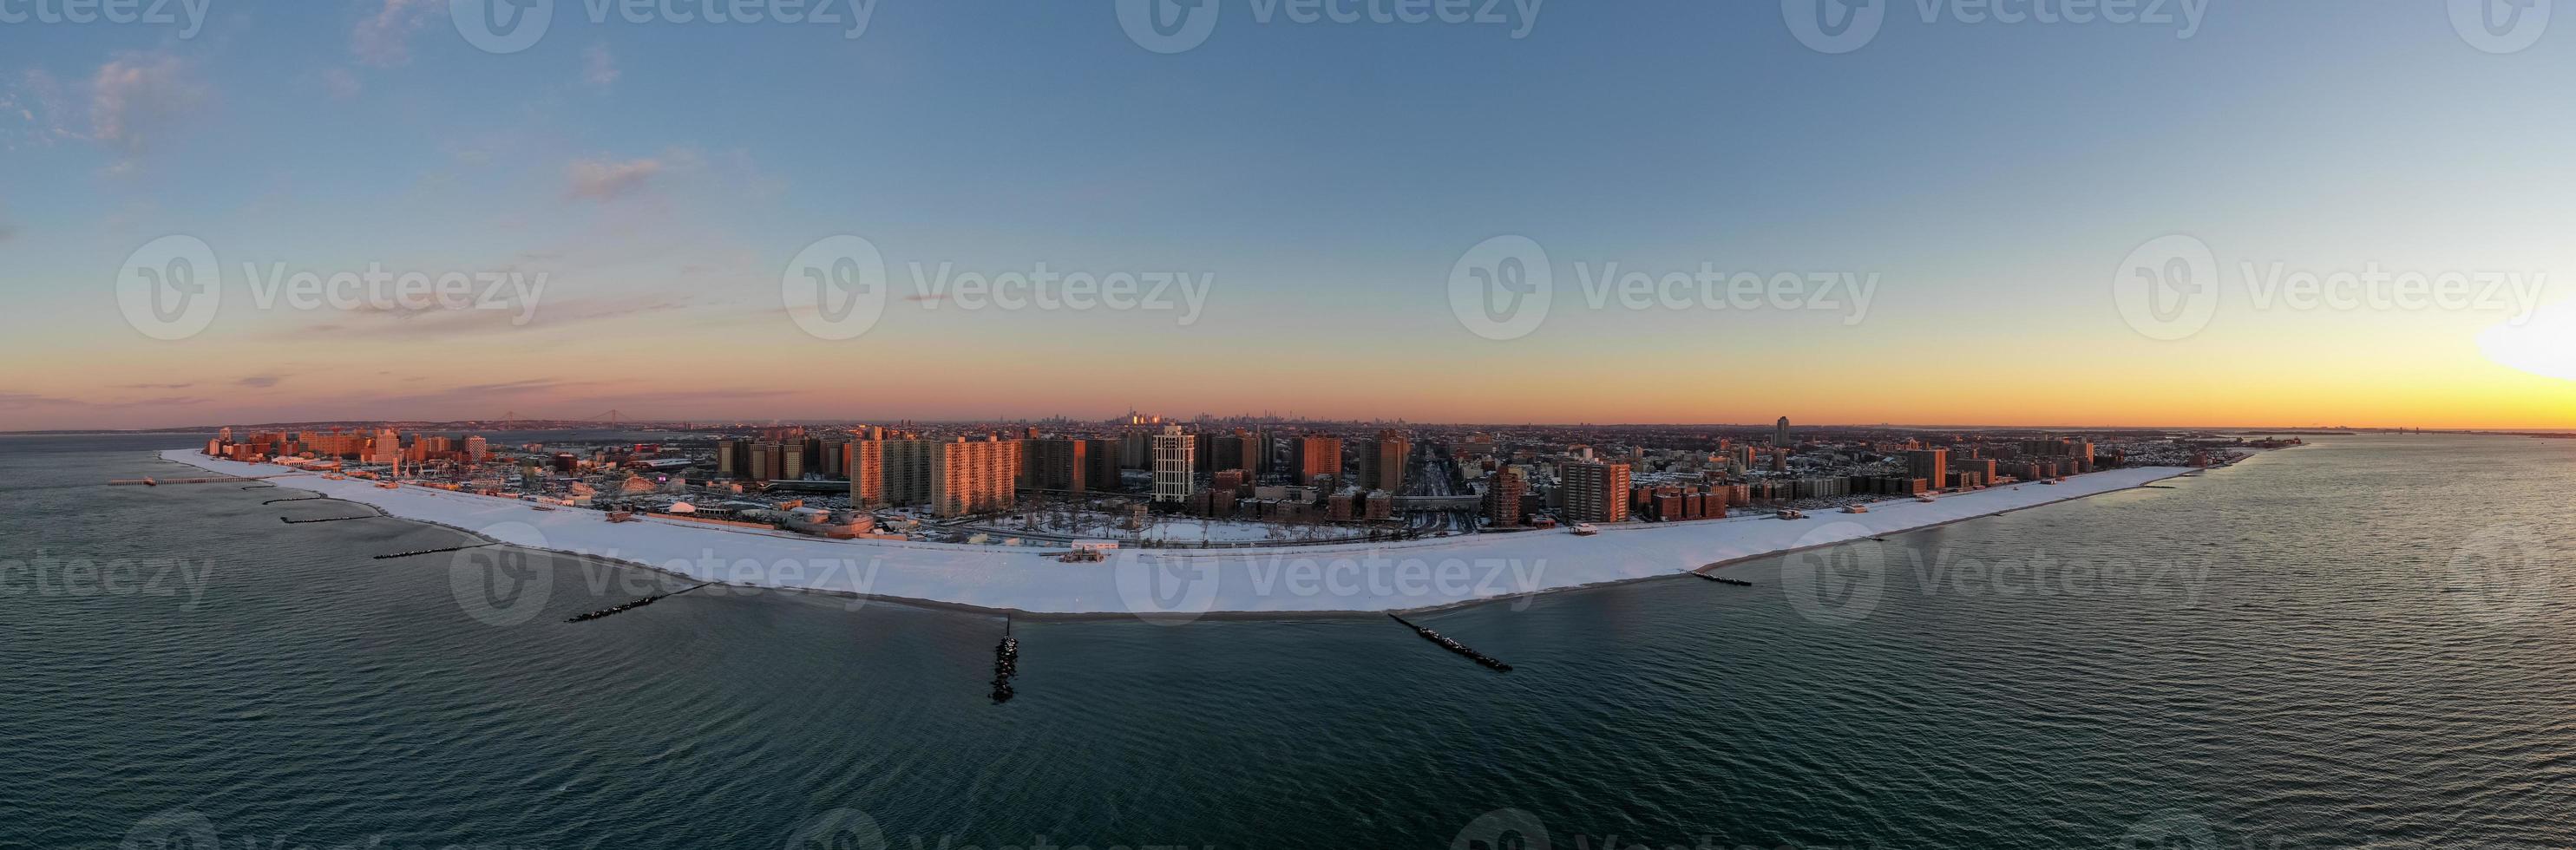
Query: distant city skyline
1936, 227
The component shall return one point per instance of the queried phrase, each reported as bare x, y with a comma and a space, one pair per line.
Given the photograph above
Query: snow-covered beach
1290, 580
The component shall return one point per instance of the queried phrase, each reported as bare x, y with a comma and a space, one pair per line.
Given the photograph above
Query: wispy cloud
437, 322
137, 100
260, 381
598, 68
35, 103
384, 38
602, 180
23, 401
341, 84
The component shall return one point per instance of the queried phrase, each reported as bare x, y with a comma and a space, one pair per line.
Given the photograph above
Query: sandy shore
1421, 574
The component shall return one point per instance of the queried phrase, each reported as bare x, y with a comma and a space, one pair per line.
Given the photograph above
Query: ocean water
2367, 642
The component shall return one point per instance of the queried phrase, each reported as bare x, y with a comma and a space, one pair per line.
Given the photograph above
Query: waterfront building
1596, 492
891, 473
1932, 465
1503, 494
975, 477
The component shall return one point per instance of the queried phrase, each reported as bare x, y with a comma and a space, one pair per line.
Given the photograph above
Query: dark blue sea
2366, 642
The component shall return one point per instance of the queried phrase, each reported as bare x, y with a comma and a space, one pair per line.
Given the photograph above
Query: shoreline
1301, 582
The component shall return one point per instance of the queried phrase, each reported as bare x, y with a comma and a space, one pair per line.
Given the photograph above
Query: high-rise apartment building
1101, 455
1503, 494
1931, 465
1060, 464
1780, 433
1174, 463
891, 472
1318, 455
1596, 492
1391, 453
975, 477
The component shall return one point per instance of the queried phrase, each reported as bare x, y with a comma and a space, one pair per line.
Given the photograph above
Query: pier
329, 519
1723, 580
296, 499
1488, 661
1006, 664
620, 609
435, 551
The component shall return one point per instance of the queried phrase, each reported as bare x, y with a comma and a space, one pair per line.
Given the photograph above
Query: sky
2278, 214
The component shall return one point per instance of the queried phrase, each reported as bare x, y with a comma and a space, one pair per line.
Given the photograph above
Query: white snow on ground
1336, 577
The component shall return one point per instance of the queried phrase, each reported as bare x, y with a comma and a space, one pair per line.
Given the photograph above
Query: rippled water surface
2365, 642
